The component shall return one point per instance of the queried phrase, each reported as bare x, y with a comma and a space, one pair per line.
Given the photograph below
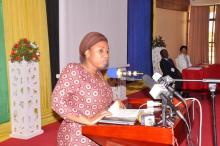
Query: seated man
183, 60
168, 68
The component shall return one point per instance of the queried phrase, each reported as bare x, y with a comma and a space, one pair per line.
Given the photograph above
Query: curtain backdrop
140, 35
217, 35
53, 33
4, 106
78, 17
27, 19
198, 34
154, 18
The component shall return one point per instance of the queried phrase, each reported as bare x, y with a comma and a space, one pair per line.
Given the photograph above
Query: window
212, 16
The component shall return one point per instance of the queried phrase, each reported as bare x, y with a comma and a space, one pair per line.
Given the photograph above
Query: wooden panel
179, 5
129, 135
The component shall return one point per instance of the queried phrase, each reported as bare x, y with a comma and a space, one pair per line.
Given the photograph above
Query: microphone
150, 83
166, 81
156, 89
118, 73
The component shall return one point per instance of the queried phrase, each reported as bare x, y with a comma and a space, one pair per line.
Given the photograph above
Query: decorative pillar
25, 99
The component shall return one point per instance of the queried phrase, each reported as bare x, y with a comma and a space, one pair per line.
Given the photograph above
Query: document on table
195, 68
121, 116
125, 116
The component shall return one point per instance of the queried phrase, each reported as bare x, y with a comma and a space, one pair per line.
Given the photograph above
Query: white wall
172, 26
78, 17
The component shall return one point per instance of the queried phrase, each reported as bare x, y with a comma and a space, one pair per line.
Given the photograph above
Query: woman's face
98, 55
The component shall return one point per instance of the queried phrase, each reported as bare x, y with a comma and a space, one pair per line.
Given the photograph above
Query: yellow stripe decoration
27, 19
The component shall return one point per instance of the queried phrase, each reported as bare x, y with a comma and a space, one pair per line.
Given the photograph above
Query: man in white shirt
183, 60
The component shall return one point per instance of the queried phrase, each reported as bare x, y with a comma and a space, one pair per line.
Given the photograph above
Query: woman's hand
99, 116
88, 120
121, 105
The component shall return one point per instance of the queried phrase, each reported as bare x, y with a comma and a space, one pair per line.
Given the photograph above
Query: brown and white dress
80, 93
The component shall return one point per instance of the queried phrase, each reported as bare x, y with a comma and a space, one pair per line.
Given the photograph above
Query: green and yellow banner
4, 100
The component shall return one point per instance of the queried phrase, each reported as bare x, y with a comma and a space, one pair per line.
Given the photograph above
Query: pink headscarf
88, 41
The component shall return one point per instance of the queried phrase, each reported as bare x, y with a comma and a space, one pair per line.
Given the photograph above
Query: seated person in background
183, 60
168, 68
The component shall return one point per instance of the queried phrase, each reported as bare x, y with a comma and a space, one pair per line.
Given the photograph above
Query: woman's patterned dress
80, 93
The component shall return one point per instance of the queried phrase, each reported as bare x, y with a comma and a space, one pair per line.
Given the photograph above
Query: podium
136, 135
120, 135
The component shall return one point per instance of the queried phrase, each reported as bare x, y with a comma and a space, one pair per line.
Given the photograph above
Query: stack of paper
125, 116
121, 116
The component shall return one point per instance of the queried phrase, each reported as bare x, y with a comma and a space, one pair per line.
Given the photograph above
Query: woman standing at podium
82, 96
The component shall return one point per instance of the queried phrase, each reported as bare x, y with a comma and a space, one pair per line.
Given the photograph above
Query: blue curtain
140, 35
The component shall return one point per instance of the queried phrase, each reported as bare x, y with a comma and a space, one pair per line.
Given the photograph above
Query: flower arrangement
25, 50
158, 42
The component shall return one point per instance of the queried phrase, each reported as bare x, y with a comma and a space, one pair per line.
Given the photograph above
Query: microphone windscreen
148, 81
112, 73
156, 76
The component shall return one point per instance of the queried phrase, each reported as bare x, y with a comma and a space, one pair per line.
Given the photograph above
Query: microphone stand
166, 119
164, 107
212, 88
